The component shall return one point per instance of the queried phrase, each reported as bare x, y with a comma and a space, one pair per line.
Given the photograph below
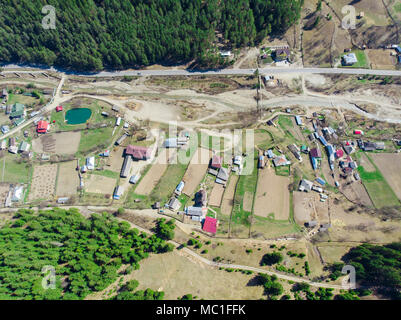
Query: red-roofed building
339, 153
216, 162
138, 152
358, 132
43, 126
59, 108
210, 225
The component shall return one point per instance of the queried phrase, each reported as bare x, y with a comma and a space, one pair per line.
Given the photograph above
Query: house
339, 153
270, 154
135, 178
311, 224
17, 111
12, 142
295, 151
281, 161
115, 108
349, 59
196, 211
238, 160
358, 132
179, 188
201, 198
348, 149
368, 146
171, 143
121, 139
398, 49
126, 167
380, 145
90, 163
59, 108
105, 114
298, 120
282, 54
305, 185
210, 225
261, 162
118, 192
42, 127
4, 94
138, 152
314, 163
17, 194
105, 154
3, 144
317, 189
223, 174
5, 129
323, 141
18, 121
315, 153
216, 162
84, 169
213, 172
24, 146
174, 204
118, 121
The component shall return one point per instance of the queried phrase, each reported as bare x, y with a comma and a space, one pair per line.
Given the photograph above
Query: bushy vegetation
93, 34
270, 259
85, 253
272, 287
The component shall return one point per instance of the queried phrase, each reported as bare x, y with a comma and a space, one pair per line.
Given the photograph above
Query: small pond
78, 115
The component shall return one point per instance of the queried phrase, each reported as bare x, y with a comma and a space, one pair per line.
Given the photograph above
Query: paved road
172, 72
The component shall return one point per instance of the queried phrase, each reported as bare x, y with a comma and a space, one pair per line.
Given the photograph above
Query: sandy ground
196, 170
178, 275
228, 198
389, 165
59, 143
272, 195
115, 160
154, 174
216, 195
68, 180
100, 184
307, 207
43, 182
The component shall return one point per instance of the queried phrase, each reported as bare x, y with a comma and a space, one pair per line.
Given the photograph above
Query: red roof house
138, 152
59, 108
210, 225
315, 153
339, 153
216, 162
358, 132
43, 126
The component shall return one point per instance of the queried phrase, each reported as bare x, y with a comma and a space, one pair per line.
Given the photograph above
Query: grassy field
246, 187
14, 172
379, 190
95, 138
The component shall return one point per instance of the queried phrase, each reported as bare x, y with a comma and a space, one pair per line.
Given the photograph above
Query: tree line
96, 34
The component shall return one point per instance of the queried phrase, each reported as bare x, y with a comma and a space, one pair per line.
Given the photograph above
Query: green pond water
78, 115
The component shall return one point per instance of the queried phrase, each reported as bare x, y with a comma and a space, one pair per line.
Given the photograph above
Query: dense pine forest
95, 34
87, 254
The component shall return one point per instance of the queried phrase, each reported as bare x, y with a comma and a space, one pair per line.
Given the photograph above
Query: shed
298, 120
59, 108
223, 174
321, 181
210, 225
138, 152
126, 167
180, 187
90, 163
118, 192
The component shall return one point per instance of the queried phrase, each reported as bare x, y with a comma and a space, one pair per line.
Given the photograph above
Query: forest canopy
86, 254
92, 35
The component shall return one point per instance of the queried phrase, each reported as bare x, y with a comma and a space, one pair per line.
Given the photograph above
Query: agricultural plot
151, 179
43, 183
57, 143
357, 192
381, 59
272, 195
68, 180
94, 139
100, 184
379, 190
389, 165
216, 195
196, 170
228, 197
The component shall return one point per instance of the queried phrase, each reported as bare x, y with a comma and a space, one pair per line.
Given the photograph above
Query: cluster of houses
307, 186
13, 147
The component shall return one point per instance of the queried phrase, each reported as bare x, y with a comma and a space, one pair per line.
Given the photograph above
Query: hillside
96, 34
